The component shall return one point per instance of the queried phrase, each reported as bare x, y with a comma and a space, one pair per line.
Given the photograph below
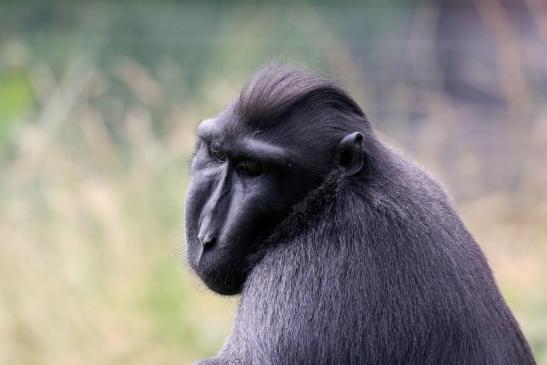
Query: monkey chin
223, 281
219, 271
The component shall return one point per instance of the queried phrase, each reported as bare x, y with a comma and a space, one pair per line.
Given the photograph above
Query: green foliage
16, 100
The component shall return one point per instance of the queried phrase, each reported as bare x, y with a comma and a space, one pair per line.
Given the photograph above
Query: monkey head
255, 160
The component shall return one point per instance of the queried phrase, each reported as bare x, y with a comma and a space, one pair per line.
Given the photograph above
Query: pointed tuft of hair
276, 90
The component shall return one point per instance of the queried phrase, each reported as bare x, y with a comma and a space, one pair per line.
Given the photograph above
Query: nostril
207, 241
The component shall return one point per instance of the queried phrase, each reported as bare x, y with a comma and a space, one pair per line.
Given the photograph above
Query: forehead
241, 141
222, 129
233, 125
287, 129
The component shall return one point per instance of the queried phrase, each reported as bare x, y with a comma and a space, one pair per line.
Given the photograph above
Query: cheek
295, 187
196, 197
191, 211
192, 206
199, 190
254, 210
240, 219
274, 197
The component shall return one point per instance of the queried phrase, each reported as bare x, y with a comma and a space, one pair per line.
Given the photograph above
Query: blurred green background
98, 102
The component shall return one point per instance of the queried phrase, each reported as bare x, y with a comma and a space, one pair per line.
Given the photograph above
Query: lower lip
204, 255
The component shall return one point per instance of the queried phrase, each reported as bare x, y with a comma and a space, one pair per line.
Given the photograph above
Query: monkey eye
249, 168
217, 154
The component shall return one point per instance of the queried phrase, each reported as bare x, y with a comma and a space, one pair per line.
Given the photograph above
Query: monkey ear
350, 153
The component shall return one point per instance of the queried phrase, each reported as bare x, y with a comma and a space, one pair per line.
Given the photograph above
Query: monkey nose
207, 240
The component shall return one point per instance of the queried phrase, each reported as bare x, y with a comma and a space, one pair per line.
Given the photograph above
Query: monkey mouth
207, 254
206, 258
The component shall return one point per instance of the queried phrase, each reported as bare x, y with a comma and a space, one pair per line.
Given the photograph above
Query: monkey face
243, 183
258, 158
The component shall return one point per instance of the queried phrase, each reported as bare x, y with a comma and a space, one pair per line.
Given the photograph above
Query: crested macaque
343, 251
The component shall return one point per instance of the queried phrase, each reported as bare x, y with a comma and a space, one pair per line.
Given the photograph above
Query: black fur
373, 268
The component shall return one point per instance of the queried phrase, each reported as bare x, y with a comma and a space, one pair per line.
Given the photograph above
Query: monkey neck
333, 196
304, 215
335, 189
